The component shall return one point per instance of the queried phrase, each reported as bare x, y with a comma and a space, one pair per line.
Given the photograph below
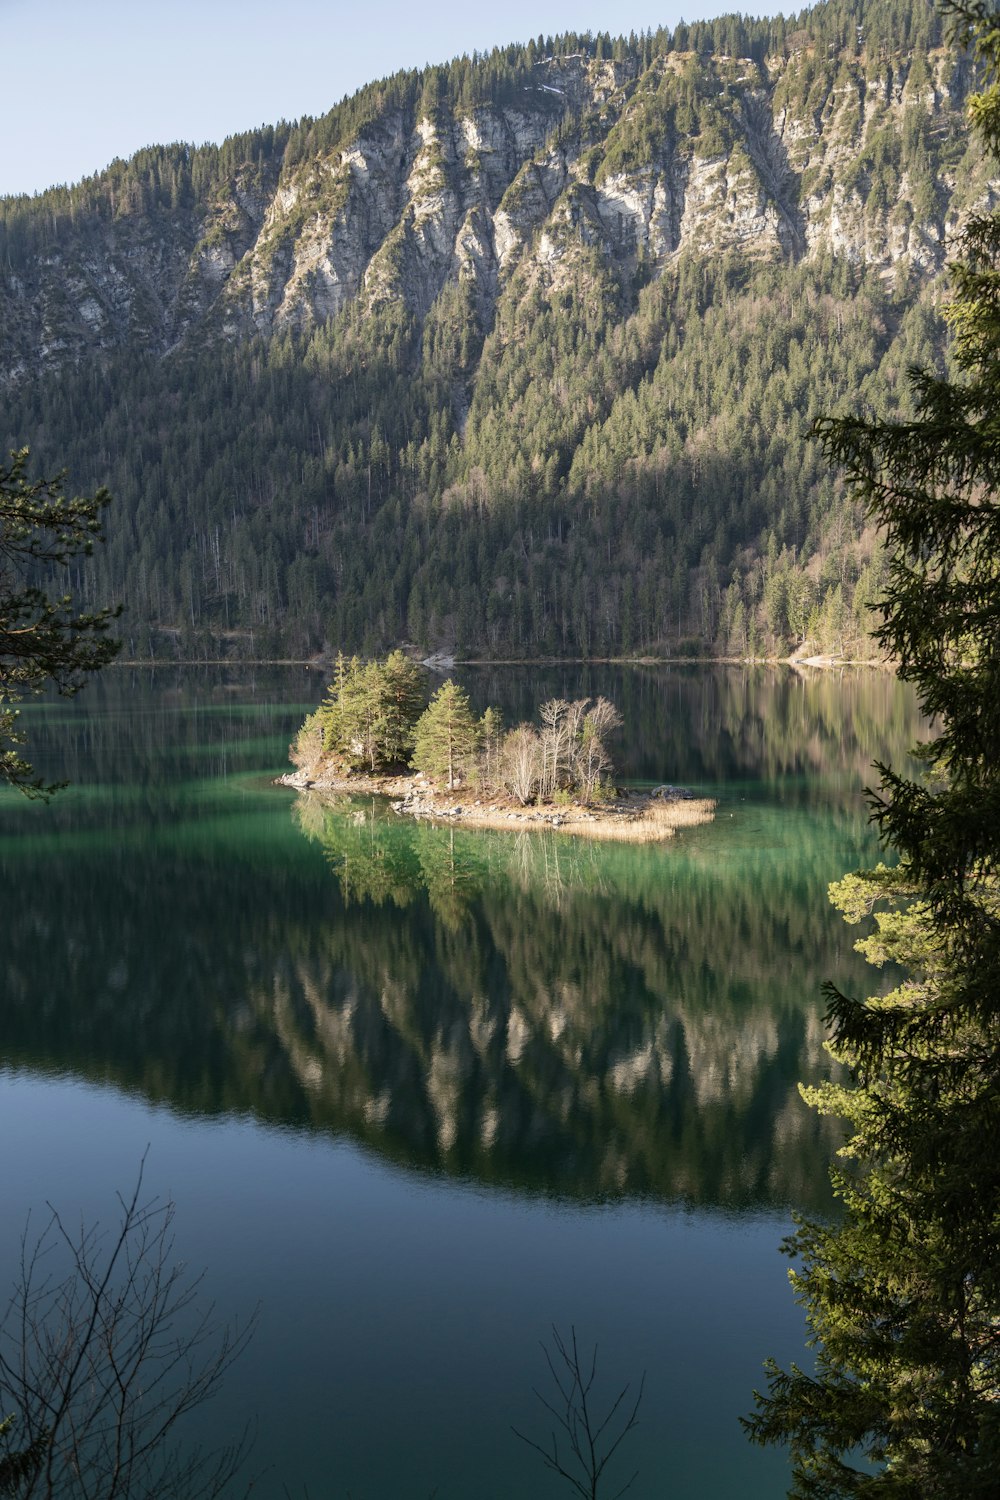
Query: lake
421, 1093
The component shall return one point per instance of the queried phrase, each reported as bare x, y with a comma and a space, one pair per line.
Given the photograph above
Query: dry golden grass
685, 812
659, 820
650, 824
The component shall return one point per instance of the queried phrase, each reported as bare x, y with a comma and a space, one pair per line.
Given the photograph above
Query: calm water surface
420, 1093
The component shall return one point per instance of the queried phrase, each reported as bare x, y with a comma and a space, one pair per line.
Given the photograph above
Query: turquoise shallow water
420, 1093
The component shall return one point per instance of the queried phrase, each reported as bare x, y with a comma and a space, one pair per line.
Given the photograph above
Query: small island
376, 733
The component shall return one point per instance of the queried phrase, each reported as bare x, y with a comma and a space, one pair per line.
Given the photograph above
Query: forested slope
516, 355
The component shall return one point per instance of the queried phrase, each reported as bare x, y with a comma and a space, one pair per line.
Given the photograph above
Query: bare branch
592, 1440
100, 1364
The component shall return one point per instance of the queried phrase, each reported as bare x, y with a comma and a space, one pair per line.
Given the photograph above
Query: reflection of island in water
584, 1020
378, 860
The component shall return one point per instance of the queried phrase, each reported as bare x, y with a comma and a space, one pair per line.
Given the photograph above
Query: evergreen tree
903, 1297
490, 734
43, 639
369, 714
400, 701
446, 735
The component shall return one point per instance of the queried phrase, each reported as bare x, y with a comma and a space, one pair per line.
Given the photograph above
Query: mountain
516, 355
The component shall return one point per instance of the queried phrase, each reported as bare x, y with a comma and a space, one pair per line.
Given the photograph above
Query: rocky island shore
631, 816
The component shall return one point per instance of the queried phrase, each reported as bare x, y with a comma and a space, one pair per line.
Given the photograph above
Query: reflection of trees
369, 864
567, 1017
451, 878
575, 1019
156, 735
719, 723
380, 860
168, 728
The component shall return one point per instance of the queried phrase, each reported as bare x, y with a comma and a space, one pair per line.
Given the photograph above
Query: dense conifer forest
611, 458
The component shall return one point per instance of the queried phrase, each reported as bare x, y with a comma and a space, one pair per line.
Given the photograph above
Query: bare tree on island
104, 1350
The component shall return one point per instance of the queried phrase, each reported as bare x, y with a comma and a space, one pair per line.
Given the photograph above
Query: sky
86, 82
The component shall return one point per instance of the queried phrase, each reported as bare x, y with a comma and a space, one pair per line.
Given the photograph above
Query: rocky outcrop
797, 157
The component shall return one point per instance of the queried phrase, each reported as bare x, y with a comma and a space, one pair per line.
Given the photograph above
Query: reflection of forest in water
580, 1019
716, 724
683, 723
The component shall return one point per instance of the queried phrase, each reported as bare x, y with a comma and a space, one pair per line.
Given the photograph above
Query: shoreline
323, 664
632, 817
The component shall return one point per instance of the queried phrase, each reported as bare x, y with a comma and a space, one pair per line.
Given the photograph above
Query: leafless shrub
520, 758
591, 760
102, 1359
561, 728
567, 754
588, 1441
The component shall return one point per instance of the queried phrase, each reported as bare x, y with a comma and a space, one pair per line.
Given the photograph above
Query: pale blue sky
86, 82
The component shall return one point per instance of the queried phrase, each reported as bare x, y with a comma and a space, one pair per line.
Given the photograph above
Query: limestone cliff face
776, 160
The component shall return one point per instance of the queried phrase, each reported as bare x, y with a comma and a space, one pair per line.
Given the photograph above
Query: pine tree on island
369, 715
446, 737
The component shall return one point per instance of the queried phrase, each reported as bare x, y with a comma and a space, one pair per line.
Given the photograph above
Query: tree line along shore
377, 732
